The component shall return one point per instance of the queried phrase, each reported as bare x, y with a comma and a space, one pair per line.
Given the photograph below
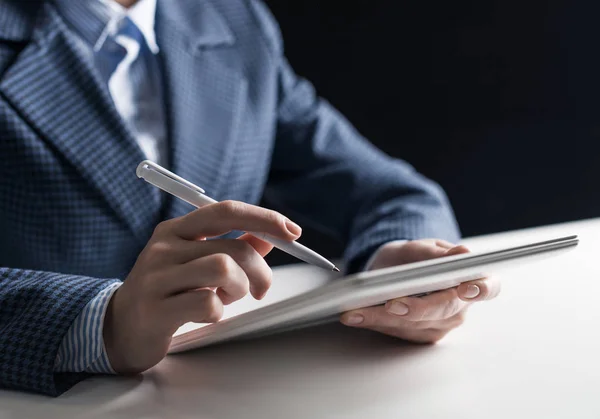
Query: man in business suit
97, 269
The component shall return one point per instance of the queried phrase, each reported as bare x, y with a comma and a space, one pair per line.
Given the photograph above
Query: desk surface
531, 353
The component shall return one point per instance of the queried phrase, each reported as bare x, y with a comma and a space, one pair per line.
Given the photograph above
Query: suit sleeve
36, 311
325, 172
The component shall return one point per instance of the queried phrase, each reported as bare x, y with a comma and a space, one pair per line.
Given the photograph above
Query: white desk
532, 353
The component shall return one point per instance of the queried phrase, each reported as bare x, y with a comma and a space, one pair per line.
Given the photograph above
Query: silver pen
177, 186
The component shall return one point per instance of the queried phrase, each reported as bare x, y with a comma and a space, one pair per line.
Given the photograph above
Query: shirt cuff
82, 349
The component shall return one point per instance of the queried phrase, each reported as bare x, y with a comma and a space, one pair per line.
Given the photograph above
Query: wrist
134, 342
114, 349
108, 334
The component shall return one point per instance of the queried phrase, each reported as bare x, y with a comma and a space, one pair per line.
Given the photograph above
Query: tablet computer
366, 289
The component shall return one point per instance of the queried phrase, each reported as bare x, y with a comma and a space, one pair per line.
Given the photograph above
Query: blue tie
112, 53
141, 71
145, 115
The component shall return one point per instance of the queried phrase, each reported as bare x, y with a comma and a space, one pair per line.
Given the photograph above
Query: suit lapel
55, 88
204, 95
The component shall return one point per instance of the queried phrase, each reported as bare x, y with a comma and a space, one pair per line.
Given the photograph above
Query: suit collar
89, 18
54, 86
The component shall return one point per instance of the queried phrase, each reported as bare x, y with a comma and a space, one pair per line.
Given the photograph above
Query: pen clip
148, 165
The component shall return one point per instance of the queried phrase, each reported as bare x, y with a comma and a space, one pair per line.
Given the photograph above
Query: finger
444, 244
257, 270
479, 290
420, 251
222, 217
378, 320
457, 250
219, 271
262, 247
202, 306
401, 253
165, 252
433, 307
378, 317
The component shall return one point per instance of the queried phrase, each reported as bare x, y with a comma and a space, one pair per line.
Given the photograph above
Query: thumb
457, 250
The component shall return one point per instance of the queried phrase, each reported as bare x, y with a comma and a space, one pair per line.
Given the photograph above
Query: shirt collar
95, 20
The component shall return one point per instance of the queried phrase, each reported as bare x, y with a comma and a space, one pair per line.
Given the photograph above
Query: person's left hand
424, 319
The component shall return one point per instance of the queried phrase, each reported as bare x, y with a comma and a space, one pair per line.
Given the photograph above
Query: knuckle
223, 264
230, 207
159, 248
162, 228
276, 218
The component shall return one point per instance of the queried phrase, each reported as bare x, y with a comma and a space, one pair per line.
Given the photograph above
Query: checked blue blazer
73, 215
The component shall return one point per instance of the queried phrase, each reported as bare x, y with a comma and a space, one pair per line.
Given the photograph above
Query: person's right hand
179, 277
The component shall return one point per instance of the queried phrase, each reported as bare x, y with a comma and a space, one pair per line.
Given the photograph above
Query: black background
498, 101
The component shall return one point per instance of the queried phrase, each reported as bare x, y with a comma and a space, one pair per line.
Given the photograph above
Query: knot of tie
127, 42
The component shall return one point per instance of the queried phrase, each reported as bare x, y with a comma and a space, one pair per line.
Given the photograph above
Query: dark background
498, 101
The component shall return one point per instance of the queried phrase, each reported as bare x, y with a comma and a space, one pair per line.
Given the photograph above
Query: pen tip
335, 269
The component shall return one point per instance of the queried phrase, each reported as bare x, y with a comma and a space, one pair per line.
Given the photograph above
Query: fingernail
397, 308
355, 319
293, 228
472, 291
